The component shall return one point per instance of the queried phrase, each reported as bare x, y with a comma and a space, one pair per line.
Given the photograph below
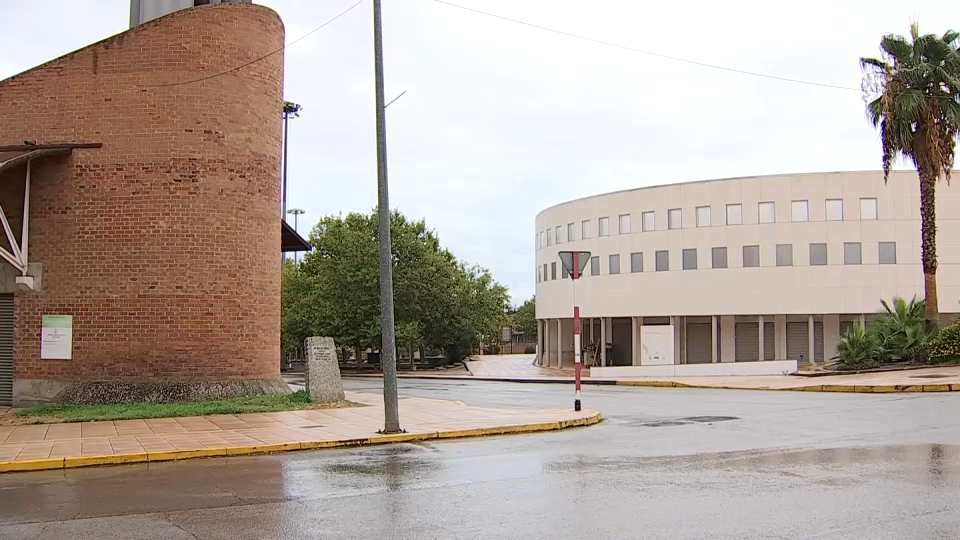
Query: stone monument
323, 371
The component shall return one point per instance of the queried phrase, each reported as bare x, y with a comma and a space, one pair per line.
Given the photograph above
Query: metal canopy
10, 157
290, 240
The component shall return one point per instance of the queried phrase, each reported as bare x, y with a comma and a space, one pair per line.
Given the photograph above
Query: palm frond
897, 48
874, 64
950, 36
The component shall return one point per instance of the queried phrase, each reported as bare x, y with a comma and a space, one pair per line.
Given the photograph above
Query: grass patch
62, 412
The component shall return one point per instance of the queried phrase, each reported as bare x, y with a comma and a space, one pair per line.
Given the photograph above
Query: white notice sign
56, 337
656, 345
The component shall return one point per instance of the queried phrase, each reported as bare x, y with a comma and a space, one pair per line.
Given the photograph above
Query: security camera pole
574, 262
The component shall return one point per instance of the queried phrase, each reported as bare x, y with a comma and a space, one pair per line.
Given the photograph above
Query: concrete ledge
171, 455
27, 392
726, 369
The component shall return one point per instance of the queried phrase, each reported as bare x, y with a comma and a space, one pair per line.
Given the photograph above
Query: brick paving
418, 416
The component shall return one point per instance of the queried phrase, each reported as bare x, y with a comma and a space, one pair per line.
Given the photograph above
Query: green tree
524, 319
918, 114
441, 303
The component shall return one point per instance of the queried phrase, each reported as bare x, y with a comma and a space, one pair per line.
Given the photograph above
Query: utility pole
289, 109
388, 348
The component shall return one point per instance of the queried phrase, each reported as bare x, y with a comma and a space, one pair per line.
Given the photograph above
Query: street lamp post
289, 109
296, 212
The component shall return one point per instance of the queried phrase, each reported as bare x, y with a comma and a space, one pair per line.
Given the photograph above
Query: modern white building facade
739, 276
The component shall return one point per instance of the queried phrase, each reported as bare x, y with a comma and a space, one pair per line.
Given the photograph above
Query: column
831, 335
677, 343
780, 334
559, 343
760, 322
863, 321
713, 339
813, 356
728, 338
634, 349
603, 341
539, 342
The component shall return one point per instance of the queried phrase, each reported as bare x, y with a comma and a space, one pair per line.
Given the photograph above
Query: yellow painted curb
936, 388
262, 448
955, 387
837, 388
31, 465
170, 455
113, 459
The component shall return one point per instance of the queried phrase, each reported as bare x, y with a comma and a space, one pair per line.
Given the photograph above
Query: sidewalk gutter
172, 455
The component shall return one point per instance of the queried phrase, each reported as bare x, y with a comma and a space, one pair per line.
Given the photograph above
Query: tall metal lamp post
296, 212
574, 262
290, 109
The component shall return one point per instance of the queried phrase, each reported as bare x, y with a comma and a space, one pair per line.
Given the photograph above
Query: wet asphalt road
767, 465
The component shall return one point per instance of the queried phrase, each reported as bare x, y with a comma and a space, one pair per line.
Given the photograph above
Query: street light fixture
296, 212
290, 109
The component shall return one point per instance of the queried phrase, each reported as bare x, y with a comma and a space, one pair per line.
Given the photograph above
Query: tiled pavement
520, 367
170, 438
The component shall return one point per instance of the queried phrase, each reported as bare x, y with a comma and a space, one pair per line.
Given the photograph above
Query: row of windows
852, 255
766, 213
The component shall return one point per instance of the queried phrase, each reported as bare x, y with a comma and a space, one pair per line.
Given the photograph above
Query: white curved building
703, 266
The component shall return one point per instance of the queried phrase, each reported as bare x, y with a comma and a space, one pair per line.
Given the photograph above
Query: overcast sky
502, 120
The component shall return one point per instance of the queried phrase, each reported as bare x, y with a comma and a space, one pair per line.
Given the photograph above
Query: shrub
901, 330
945, 346
858, 349
531, 349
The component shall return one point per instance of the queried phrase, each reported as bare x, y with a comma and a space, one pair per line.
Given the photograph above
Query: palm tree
917, 109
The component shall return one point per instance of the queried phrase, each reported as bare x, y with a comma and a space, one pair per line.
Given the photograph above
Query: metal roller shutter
797, 343
699, 344
818, 341
747, 341
769, 341
6, 349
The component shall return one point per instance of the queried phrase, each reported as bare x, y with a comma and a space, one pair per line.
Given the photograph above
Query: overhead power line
268, 55
658, 55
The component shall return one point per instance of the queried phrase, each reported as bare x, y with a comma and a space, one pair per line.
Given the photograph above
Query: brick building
139, 184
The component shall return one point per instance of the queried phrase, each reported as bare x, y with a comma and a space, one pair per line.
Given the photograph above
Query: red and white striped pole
576, 330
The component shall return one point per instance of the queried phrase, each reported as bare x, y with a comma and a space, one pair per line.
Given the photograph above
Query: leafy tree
524, 319
918, 115
441, 303
858, 349
901, 330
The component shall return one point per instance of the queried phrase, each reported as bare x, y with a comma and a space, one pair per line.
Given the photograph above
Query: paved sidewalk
519, 368
56, 446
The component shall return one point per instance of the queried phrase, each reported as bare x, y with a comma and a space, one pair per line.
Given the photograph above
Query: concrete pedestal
322, 371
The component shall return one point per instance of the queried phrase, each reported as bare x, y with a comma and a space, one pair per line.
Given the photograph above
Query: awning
290, 240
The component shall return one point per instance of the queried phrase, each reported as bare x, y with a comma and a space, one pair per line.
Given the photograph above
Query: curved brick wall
164, 244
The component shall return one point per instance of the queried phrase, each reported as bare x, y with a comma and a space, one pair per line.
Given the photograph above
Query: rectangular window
544, 271
784, 254
614, 264
538, 273
563, 272
690, 259
868, 209
549, 237
636, 263
751, 256
734, 215
818, 254
585, 229
662, 261
556, 232
834, 209
674, 219
594, 266
703, 216
800, 211
852, 253
625, 224
768, 212
553, 271
571, 232
604, 227
542, 234
888, 253
719, 256
649, 221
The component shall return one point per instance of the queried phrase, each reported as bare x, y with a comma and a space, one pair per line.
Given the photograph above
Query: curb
540, 380
172, 455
